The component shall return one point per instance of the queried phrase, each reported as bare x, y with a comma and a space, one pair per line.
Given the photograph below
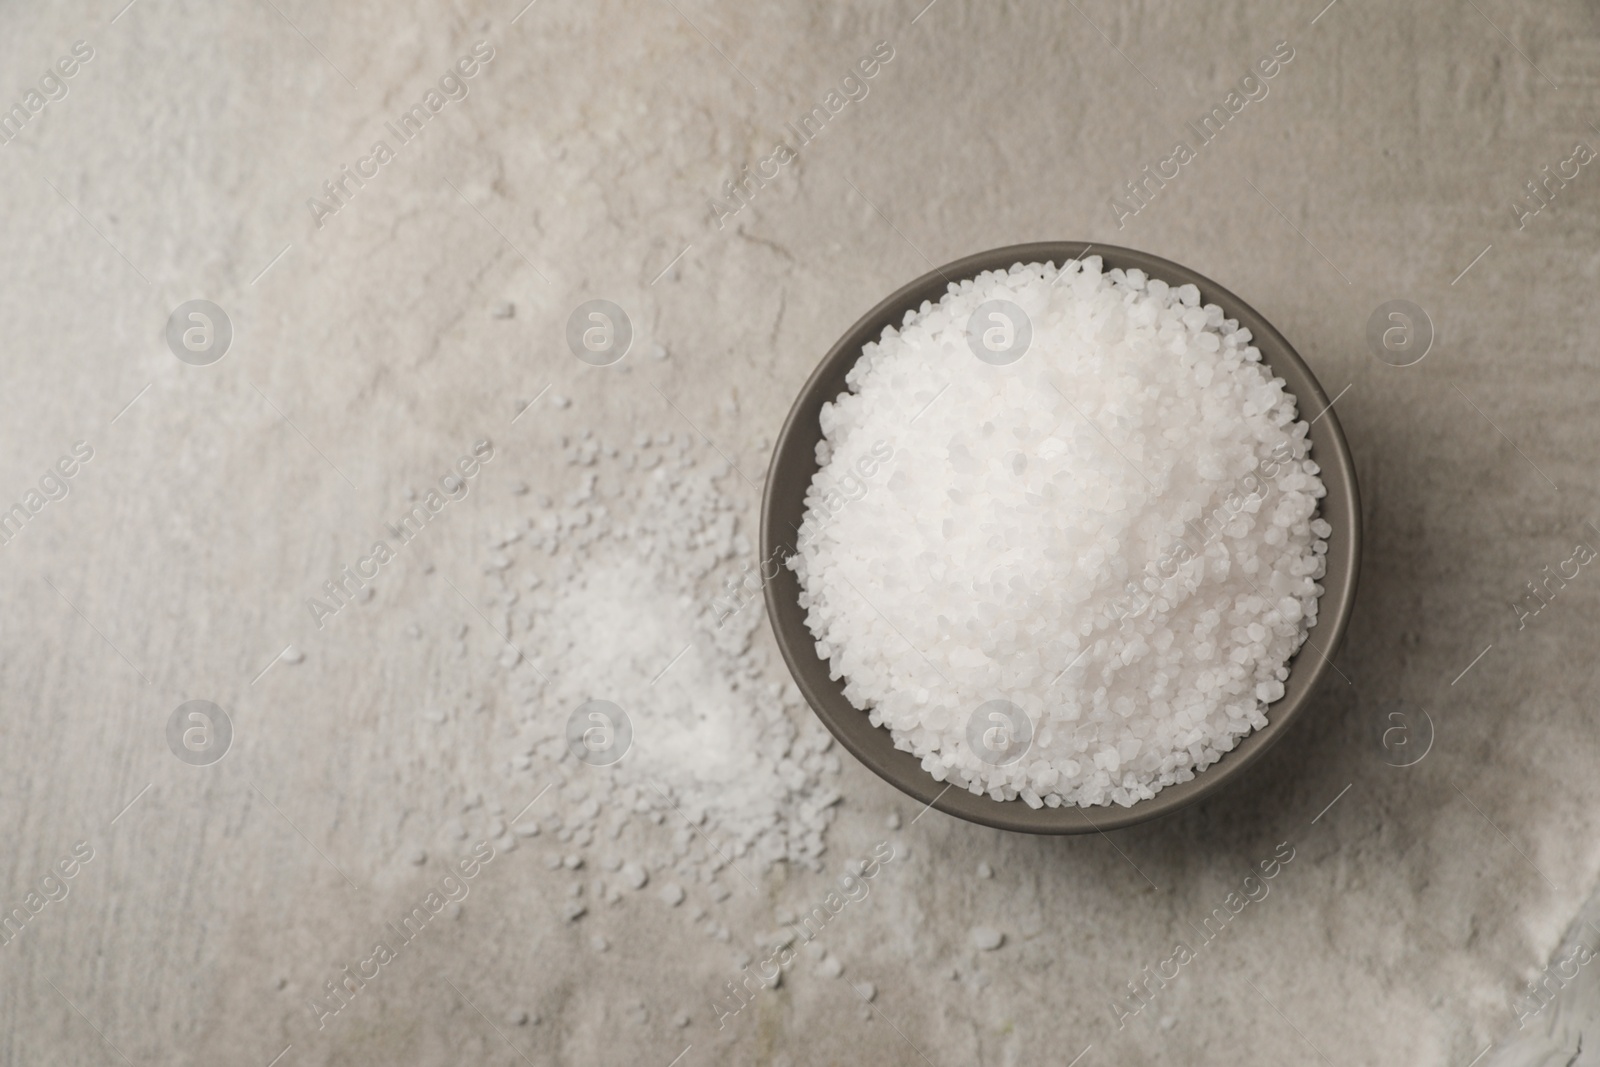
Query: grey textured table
1384, 161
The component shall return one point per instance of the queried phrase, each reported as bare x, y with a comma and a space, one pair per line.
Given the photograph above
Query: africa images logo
452, 86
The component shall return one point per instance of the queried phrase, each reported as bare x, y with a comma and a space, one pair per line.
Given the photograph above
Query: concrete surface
1383, 162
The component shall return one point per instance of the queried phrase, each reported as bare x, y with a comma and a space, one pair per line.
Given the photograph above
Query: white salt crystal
1114, 536
987, 938
629, 606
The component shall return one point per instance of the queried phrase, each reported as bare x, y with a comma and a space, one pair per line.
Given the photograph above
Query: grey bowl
794, 464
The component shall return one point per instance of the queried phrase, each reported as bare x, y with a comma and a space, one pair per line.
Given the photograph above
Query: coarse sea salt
611, 592
1115, 535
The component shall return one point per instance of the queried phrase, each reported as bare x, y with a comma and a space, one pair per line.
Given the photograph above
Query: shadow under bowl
794, 465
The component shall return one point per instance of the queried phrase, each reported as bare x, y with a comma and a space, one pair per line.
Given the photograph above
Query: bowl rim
873, 746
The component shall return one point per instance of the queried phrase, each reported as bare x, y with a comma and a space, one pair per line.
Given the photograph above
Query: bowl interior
794, 464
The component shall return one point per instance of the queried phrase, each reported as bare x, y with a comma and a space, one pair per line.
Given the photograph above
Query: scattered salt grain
987, 938
622, 594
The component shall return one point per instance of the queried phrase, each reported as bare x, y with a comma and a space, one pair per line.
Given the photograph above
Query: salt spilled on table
613, 593
1115, 535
